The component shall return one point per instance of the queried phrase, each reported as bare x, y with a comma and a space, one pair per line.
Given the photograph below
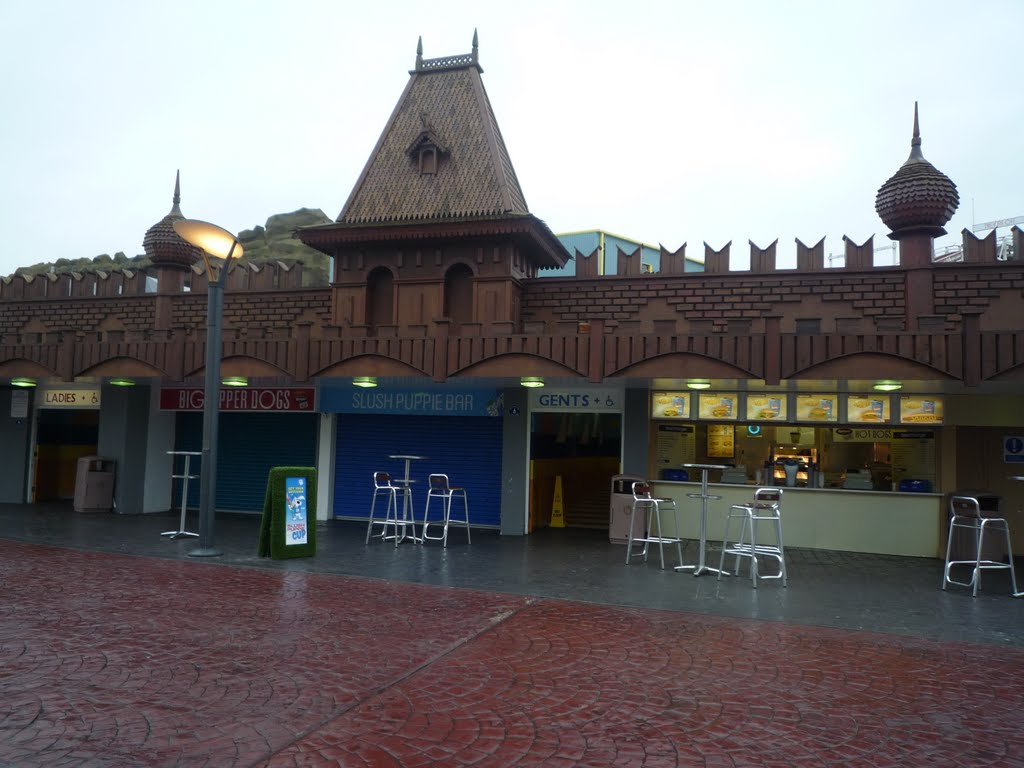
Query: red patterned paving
109, 660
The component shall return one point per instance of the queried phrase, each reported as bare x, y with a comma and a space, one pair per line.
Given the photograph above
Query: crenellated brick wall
716, 302
40, 316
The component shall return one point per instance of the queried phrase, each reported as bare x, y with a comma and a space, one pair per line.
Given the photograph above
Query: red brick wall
703, 301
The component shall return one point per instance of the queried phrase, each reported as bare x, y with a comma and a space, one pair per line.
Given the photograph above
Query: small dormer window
427, 149
428, 159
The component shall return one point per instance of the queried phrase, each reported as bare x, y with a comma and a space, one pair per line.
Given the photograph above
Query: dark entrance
62, 438
585, 450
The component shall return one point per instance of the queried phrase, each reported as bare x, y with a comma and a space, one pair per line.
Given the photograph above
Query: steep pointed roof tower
440, 168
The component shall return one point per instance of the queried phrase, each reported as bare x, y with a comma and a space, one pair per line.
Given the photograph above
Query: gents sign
576, 400
240, 399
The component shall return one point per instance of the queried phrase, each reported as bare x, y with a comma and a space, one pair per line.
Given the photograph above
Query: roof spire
476, 47
419, 53
915, 142
175, 210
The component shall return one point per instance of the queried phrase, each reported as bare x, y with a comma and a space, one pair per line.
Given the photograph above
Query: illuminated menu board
717, 406
817, 407
670, 405
767, 407
721, 441
920, 409
867, 409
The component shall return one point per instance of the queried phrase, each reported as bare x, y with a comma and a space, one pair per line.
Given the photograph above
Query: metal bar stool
765, 508
383, 485
652, 507
966, 514
440, 489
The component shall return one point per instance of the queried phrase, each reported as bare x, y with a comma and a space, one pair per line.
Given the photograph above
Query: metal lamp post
219, 243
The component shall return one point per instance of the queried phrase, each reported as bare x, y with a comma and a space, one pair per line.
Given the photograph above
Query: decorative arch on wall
516, 365
368, 365
685, 365
871, 365
123, 366
241, 365
22, 367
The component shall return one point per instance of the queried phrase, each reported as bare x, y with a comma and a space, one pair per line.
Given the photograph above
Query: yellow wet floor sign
557, 510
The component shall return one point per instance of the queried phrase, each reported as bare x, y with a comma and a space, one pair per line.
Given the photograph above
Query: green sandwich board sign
288, 528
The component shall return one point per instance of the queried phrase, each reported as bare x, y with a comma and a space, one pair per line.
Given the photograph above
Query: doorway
585, 451
62, 438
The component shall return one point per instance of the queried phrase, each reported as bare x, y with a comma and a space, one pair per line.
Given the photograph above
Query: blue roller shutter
466, 448
248, 445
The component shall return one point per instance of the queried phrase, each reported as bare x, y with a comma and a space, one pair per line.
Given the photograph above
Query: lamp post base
206, 552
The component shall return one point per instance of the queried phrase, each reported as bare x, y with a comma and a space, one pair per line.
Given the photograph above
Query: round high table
1018, 478
701, 568
408, 513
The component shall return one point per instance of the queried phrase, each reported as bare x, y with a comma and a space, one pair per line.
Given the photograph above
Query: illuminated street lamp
221, 244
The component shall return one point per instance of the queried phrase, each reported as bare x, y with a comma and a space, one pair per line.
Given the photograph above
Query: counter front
877, 522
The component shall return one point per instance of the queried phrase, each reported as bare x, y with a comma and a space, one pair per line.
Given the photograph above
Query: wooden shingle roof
467, 189
444, 98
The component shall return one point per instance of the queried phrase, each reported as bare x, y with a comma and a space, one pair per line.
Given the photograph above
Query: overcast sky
665, 122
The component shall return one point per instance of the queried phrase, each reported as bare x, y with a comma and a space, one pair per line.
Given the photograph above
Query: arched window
458, 294
428, 159
380, 305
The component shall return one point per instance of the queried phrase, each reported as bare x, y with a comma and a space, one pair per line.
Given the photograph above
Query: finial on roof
175, 210
475, 55
476, 40
915, 142
419, 53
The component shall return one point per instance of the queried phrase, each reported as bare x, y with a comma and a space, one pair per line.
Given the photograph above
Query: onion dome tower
915, 203
164, 246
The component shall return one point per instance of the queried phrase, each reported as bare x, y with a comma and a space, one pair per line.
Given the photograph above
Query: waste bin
621, 507
964, 540
94, 484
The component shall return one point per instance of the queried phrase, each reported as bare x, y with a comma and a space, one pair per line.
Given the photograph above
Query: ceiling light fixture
235, 381
531, 381
698, 383
122, 382
365, 381
888, 385
23, 381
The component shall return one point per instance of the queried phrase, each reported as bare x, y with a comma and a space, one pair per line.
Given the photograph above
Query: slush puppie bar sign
421, 402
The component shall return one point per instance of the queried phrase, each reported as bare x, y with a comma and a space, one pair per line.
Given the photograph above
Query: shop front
259, 428
860, 470
451, 430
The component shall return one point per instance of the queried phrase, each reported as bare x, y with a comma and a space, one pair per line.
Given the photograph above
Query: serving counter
878, 522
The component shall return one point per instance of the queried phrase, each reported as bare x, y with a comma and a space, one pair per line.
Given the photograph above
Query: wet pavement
117, 649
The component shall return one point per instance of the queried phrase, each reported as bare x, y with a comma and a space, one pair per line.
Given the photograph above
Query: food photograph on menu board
670, 405
817, 408
867, 409
721, 441
716, 406
920, 409
766, 407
